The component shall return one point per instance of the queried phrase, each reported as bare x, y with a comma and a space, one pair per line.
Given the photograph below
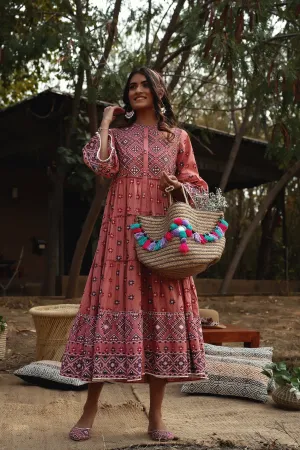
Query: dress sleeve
187, 172
91, 155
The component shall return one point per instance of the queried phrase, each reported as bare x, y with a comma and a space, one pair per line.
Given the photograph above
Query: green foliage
30, 34
283, 376
3, 324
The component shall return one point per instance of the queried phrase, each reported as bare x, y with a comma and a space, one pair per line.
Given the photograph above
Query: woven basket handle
169, 189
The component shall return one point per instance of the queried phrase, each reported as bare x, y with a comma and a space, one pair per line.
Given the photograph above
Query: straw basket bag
182, 243
3, 335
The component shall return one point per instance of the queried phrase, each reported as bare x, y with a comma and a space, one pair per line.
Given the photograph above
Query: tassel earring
129, 114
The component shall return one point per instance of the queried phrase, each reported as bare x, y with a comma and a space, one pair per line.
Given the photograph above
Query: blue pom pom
135, 225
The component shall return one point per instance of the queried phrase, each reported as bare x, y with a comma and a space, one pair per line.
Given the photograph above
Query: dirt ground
221, 445
277, 318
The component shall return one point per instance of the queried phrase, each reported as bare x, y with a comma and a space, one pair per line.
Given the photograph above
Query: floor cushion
46, 374
234, 371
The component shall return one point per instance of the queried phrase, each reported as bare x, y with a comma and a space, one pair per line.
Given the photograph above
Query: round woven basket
53, 324
3, 336
285, 399
169, 261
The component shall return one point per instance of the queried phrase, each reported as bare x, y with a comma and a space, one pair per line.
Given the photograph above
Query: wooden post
285, 241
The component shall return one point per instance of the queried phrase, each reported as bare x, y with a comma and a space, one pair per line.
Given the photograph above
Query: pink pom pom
223, 227
202, 240
137, 230
169, 236
178, 221
189, 232
215, 234
183, 248
147, 243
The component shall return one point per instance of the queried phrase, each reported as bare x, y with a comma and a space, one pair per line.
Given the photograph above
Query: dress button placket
145, 160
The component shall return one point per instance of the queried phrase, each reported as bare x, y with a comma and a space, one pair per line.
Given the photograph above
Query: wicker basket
169, 261
3, 336
285, 399
53, 324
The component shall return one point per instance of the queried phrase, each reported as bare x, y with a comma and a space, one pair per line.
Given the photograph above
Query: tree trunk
285, 241
88, 226
54, 218
268, 226
235, 148
269, 199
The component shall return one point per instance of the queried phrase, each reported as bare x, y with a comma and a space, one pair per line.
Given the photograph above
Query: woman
133, 325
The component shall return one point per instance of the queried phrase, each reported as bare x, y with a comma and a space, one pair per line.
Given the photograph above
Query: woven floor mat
34, 418
204, 419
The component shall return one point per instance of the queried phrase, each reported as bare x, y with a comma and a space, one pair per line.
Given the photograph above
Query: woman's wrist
105, 123
104, 126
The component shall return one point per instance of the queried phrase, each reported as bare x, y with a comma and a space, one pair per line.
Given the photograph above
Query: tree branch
176, 77
236, 146
168, 34
148, 54
177, 53
159, 27
282, 36
233, 118
109, 42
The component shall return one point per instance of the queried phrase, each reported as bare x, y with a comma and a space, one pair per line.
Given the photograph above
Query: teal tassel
173, 226
189, 227
219, 232
224, 222
142, 240
135, 225
182, 234
157, 246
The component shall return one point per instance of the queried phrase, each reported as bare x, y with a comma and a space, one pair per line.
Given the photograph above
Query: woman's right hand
111, 112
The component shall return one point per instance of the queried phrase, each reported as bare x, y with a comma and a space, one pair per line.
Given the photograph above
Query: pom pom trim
186, 231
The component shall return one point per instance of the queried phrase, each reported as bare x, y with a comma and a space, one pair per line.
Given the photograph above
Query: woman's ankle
90, 408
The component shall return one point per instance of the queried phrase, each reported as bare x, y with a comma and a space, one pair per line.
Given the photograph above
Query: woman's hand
110, 113
169, 181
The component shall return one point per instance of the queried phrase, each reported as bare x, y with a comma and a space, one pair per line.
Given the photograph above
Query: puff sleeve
187, 171
91, 155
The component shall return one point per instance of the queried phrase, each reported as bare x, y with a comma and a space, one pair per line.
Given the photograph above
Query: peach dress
132, 322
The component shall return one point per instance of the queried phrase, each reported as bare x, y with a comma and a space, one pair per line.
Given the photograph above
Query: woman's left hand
167, 181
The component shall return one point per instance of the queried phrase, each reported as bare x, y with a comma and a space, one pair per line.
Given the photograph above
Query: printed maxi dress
131, 322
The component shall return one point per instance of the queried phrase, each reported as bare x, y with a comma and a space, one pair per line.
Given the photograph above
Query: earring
129, 114
163, 109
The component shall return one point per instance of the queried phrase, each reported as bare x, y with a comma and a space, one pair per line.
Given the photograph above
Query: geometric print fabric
132, 322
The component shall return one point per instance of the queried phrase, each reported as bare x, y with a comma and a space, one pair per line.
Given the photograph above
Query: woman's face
140, 95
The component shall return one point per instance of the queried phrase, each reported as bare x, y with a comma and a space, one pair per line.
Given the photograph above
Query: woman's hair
166, 120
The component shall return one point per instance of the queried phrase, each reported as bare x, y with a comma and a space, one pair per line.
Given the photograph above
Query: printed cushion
234, 371
265, 353
46, 374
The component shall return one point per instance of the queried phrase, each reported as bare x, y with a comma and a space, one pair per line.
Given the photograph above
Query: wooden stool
231, 333
53, 324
